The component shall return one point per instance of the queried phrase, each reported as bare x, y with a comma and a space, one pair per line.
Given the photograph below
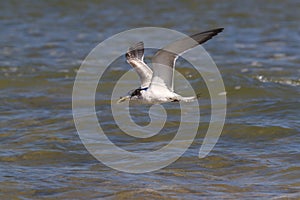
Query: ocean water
42, 45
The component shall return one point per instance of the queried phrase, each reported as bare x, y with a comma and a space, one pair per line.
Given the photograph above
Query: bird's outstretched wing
164, 60
135, 57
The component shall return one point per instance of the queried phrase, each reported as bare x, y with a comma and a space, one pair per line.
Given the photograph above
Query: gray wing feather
164, 60
135, 57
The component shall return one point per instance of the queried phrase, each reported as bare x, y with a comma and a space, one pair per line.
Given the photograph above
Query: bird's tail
190, 99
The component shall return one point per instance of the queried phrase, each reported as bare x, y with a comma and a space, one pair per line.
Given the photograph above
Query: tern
157, 85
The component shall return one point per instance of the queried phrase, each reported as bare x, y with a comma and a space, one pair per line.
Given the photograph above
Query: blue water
42, 45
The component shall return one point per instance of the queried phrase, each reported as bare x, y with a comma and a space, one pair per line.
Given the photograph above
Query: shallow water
257, 156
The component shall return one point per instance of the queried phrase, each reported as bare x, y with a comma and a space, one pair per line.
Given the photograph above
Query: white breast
158, 94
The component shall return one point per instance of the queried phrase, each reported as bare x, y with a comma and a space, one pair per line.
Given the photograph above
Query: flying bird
157, 86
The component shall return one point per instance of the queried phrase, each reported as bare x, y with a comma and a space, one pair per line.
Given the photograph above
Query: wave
283, 81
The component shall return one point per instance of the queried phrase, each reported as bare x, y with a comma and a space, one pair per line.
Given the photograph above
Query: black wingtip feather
136, 51
209, 34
